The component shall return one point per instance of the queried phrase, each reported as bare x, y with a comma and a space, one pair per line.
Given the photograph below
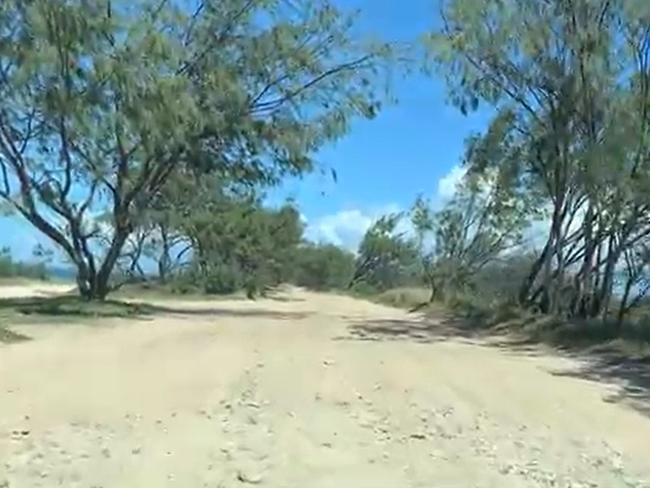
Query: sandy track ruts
283, 393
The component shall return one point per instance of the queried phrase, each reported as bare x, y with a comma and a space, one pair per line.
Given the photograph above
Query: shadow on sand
604, 364
70, 309
203, 311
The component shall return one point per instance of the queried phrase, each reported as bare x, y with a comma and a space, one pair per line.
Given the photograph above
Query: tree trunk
547, 303
96, 285
164, 260
558, 288
90, 285
583, 281
435, 292
525, 289
622, 309
601, 305
84, 280
162, 270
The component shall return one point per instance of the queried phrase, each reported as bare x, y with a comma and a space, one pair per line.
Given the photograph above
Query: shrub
409, 298
11, 269
323, 267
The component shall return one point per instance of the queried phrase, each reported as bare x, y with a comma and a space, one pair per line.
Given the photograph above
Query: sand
303, 390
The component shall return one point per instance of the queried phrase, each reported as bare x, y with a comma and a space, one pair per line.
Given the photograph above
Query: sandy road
305, 391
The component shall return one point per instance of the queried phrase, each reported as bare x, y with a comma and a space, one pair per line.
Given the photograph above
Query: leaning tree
100, 102
568, 83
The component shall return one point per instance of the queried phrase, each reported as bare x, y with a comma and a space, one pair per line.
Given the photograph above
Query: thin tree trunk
548, 304
601, 305
525, 289
622, 309
100, 285
164, 261
583, 281
559, 274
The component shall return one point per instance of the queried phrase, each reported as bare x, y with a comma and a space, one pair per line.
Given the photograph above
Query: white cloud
345, 228
448, 184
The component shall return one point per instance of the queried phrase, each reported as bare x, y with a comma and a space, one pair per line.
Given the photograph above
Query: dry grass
480, 316
9, 337
153, 290
62, 309
629, 341
407, 297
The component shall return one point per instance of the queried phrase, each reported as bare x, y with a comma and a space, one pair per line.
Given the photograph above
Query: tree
386, 258
569, 82
479, 225
186, 197
236, 242
10, 268
322, 267
636, 279
498, 282
103, 101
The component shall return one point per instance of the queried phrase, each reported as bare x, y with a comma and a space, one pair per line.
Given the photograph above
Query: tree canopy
568, 83
386, 257
479, 225
103, 101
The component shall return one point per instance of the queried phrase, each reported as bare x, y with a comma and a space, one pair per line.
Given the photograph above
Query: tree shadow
69, 306
426, 329
420, 330
60, 310
70, 309
10, 337
277, 297
202, 311
631, 375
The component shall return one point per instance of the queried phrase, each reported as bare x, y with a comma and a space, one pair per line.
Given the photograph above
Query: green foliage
219, 278
16, 269
386, 258
629, 340
598, 333
569, 86
322, 267
500, 280
236, 242
478, 226
410, 298
103, 101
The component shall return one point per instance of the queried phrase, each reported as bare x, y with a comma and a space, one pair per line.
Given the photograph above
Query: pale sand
285, 393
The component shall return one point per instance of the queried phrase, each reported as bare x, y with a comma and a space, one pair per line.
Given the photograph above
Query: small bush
598, 332
322, 267
184, 286
364, 289
216, 279
222, 280
630, 339
70, 306
12, 269
9, 337
409, 298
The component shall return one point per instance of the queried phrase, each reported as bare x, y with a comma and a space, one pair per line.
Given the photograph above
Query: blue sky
382, 165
